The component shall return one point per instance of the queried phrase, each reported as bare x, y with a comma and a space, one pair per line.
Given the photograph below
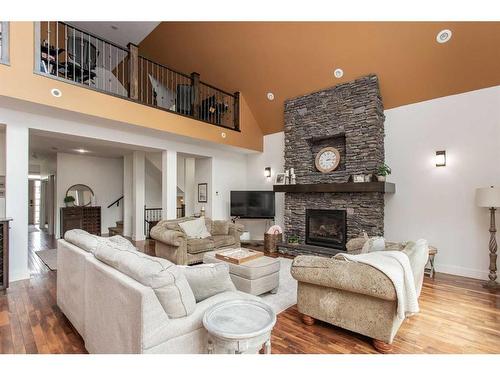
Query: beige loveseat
354, 296
173, 244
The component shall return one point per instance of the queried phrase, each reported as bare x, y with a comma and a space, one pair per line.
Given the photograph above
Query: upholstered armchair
353, 296
173, 244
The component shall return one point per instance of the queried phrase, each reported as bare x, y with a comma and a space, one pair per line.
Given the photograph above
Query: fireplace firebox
326, 228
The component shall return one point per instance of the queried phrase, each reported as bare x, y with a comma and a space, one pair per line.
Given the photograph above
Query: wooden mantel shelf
338, 187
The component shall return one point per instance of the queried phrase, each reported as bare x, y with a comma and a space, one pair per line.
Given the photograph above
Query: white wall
106, 181
438, 203
203, 174
273, 156
152, 184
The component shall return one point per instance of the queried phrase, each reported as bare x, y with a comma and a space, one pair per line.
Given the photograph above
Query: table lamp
490, 197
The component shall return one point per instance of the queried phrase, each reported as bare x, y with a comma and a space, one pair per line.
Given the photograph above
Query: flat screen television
252, 204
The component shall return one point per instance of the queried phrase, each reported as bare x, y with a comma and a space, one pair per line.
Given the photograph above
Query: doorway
34, 186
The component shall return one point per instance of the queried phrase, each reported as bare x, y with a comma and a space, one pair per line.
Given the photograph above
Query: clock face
327, 159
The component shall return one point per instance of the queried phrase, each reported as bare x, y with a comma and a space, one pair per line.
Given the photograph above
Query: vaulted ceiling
291, 58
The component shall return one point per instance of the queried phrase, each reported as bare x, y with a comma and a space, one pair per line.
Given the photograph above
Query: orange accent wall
295, 58
20, 82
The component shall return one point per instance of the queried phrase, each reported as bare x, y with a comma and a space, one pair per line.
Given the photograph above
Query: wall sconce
440, 158
267, 172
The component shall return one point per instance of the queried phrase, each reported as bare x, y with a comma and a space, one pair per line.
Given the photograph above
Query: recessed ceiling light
443, 36
81, 150
56, 92
270, 96
338, 73
223, 135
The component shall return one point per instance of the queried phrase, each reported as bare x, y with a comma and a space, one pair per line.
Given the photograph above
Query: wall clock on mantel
327, 159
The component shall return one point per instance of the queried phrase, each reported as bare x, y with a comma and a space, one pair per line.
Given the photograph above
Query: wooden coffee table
239, 326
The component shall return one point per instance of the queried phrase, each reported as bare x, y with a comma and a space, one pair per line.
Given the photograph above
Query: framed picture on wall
202, 192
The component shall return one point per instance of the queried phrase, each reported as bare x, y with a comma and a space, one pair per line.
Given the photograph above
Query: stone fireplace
326, 228
350, 118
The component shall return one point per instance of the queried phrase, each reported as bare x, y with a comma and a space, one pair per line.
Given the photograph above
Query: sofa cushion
199, 245
207, 280
167, 281
122, 242
355, 244
84, 240
195, 228
223, 241
220, 227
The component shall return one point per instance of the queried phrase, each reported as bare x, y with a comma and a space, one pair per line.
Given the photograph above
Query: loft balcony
72, 55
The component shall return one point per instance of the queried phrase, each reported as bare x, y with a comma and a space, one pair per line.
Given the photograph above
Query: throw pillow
207, 280
195, 228
373, 244
355, 244
220, 227
82, 239
167, 281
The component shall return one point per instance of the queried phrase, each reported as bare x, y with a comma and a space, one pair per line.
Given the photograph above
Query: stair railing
117, 202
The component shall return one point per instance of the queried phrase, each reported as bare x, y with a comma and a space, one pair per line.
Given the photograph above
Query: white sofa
116, 313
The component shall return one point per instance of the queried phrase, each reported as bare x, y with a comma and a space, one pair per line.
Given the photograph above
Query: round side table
239, 326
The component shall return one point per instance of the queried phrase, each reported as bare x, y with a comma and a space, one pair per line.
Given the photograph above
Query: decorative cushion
355, 244
207, 280
223, 241
84, 240
195, 228
167, 281
373, 244
220, 227
199, 245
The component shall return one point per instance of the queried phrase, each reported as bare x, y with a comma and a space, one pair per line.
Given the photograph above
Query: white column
127, 195
169, 184
16, 194
138, 195
189, 186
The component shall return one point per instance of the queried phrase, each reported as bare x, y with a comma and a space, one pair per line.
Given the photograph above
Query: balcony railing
4, 42
70, 54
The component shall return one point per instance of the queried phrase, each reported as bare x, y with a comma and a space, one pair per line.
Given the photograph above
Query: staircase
118, 230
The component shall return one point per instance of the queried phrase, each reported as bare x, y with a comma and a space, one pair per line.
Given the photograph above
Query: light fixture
270, 96
338, 73
440, 158
223, 135
81, 150
267, 172
443, 36
56, 93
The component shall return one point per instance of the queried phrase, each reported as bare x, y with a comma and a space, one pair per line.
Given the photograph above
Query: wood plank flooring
457, 316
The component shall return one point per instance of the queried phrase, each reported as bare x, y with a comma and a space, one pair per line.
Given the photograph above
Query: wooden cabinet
86, 218
4, 253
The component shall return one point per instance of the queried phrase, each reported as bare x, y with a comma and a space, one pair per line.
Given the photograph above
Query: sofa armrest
236, 230
167, 236
343, 275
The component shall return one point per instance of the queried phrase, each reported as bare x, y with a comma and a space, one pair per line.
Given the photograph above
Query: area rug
287, 291
49, 257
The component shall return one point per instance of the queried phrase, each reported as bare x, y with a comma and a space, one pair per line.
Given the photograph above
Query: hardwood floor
457, 316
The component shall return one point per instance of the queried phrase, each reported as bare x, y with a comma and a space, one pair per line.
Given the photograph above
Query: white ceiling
43, 144
126, 32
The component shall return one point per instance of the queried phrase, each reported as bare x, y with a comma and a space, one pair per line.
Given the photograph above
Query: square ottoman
255, 277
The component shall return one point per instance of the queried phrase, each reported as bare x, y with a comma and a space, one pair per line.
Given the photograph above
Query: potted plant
69, 200
383, 171
293, 239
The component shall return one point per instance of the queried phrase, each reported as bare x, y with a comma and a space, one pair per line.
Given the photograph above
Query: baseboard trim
462, 271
